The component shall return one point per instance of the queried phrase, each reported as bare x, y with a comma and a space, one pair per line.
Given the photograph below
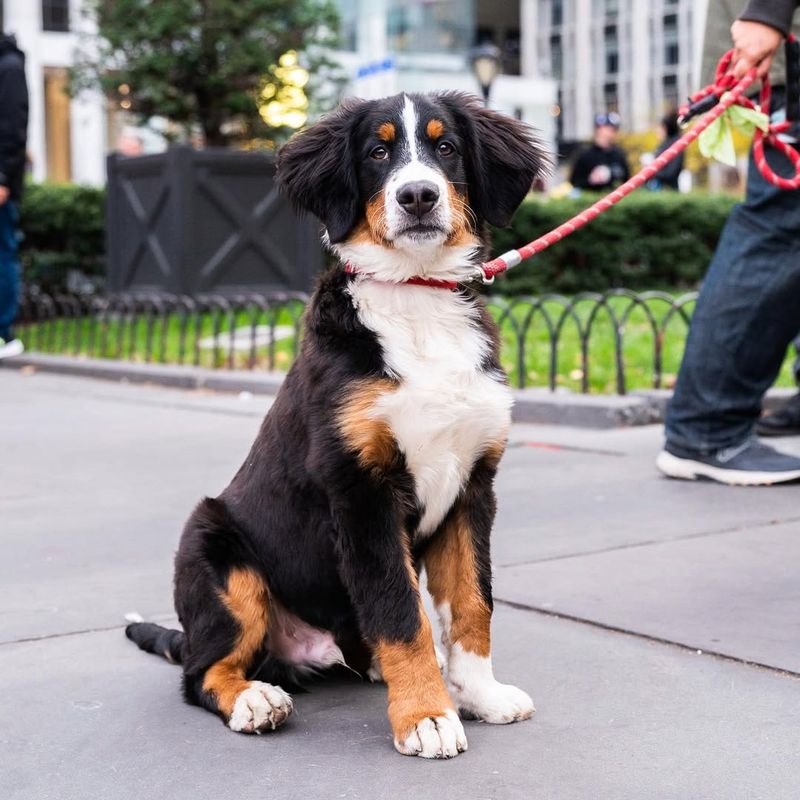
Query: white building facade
67, 138
637, 58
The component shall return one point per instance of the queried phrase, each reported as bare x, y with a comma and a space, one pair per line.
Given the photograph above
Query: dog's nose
418, 198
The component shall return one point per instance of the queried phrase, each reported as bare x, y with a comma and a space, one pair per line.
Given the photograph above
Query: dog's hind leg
457, 563
224, 606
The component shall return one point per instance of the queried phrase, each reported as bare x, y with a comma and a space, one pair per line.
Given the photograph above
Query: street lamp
486, 63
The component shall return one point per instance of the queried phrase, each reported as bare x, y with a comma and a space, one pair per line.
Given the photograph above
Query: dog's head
405, 185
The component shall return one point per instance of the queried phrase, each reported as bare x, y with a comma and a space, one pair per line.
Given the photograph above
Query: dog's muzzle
418, 198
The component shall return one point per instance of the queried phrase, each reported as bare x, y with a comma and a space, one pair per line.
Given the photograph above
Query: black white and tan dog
378, 457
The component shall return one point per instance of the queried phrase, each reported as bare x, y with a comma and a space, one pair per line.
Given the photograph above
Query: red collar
415, 281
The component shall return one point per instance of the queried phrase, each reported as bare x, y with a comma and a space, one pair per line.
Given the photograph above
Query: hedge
63, 229
650, 240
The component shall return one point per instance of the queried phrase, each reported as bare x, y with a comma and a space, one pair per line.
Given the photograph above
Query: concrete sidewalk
655, 623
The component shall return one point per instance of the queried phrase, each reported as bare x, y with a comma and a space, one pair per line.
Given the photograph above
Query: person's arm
13, 125
757, 34
775, 13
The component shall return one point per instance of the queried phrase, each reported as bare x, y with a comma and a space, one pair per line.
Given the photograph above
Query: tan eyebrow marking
435, 128
386, 132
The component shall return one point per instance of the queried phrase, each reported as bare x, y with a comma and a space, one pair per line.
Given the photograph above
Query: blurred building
422, 45
66, 137
637, 58
563, 60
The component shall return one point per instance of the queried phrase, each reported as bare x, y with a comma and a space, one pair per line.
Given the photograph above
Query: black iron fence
611, 342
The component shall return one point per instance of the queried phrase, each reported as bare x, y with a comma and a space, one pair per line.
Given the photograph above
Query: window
55, 15
430, 26
672, 54
348, 24
1, 16
612, 8
672, 50
611, 49
557, 13
611, 97
670, 86
556, 58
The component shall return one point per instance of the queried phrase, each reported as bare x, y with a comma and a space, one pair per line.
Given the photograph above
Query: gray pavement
635, 610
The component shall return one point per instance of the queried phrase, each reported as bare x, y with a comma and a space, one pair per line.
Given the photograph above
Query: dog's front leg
457, 563
377, 569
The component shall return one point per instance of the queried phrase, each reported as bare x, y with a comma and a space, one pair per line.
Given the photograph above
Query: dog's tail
155, 639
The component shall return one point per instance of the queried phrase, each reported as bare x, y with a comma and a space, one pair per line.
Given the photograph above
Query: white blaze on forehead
410, 123
412, 169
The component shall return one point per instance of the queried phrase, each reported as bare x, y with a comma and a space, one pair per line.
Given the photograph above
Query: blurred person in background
669, 132
129, 142
603, 164
13, 136
748, 310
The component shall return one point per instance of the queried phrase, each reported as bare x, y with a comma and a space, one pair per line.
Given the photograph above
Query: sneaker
783, 422
12, 347
748, 464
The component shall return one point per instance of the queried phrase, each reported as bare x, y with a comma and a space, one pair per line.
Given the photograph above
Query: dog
378, 456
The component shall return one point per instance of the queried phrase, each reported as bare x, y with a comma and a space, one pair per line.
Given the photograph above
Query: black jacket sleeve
669, 174
579, 177
13, 120
776, 13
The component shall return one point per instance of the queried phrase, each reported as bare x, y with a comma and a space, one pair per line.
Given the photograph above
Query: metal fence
608, 342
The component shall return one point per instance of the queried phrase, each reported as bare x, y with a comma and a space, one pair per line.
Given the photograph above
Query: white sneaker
13, 347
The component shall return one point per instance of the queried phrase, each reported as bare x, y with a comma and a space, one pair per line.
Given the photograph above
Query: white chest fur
446, 411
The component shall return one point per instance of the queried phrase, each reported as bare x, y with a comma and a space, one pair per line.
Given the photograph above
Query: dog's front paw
498, 703
434, 737
261, 707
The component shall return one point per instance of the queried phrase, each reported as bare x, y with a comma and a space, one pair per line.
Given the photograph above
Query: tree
212, 65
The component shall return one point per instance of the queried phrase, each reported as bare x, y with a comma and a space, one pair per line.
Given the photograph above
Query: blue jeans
9, 268
746, 316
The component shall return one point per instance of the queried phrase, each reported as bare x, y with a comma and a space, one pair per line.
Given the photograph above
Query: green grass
171, 340
174, 339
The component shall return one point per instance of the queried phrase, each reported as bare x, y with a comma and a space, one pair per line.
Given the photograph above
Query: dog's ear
502, 157
317, 173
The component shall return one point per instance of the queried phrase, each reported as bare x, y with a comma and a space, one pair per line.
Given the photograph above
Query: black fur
328, 535
503, 157
316, 170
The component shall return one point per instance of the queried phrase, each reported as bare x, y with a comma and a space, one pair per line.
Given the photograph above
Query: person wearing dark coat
602, 165
667, 178
13, 138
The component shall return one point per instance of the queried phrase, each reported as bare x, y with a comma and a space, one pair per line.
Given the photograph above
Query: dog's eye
445, 149
379, 153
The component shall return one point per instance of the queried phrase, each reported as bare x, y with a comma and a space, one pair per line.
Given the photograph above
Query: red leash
715, 100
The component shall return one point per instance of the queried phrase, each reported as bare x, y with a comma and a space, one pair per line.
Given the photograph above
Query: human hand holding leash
754, 45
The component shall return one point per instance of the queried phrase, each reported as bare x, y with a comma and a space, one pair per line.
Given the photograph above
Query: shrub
650, 240
63, 230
